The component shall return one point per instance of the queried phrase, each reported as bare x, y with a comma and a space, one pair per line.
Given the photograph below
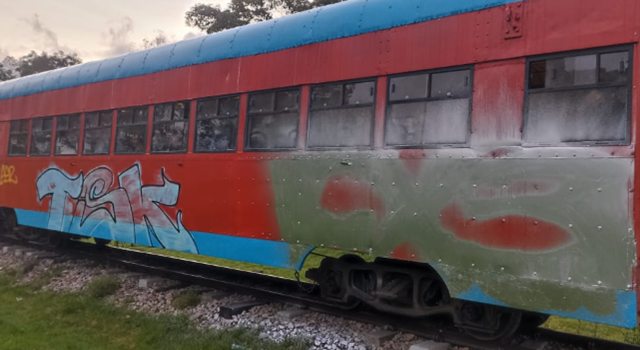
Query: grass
32, 319
186, 300
103, 286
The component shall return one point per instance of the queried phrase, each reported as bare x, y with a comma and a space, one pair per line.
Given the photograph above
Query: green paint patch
33, 319
628, 336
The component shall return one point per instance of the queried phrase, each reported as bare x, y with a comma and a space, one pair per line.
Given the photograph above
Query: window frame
26, 133
84, 132
311, 109
57, 134
187, 104
146, 129
51, 137
237, 117
598, 85
430, 72
260, 114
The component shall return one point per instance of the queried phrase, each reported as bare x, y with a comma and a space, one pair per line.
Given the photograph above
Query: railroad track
276, 289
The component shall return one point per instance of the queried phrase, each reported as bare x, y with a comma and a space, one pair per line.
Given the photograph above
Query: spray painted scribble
130, 211
8, 175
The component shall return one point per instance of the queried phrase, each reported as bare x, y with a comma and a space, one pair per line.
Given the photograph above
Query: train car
480, 152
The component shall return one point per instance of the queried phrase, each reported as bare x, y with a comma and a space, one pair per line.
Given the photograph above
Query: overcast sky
94, 29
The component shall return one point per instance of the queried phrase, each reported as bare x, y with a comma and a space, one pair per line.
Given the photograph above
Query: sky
94, 29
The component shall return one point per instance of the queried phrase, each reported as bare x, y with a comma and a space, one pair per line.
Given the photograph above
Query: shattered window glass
41, 136
97, 132
131, 131
582, 98
217, 124
170, 128
422, 116
276, 125
342, 115
18, 135
67, 134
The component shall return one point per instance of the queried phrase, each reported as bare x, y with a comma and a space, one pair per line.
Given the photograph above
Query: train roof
345, 19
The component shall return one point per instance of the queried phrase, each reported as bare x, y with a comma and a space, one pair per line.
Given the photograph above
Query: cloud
49, 36
117, 37
192, 35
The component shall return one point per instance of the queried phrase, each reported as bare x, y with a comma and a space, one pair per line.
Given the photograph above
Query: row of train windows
570, 98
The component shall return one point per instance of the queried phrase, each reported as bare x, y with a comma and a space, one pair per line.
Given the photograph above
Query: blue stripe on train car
255, 251
331, 22
625, 314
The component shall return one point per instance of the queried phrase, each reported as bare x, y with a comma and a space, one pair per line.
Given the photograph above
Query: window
170, 128
41, 136
97, 132
217, 124
429, 109
579, 97
18, 137
131, 131
67, 134
273, 120
342, 115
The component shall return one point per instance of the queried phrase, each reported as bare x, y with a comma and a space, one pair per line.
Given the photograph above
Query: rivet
300, 194
599, 189
415, 214
570, 188
535, 223
502, 269
373, 183
298, 241
629, 286
570, 225
417, 184
474, 185
569, 278
504, 220
393, 184
299, 222
322, 245
299, 180
441, 185
599, 227
474, 218
535, 273
599, 283
473, 265
439, 260
504, 187
393, 212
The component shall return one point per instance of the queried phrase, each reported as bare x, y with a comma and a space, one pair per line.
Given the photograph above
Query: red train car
482, 151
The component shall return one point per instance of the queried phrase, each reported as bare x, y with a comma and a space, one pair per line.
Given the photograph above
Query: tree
36, 63
8, 68
213, 19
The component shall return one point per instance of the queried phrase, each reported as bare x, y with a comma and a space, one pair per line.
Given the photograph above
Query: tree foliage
213, 19
35, 62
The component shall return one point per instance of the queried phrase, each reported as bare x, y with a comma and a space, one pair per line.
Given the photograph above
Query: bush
103, 286
186, 300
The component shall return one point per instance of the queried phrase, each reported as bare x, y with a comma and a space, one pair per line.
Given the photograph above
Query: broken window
41, 136
97, 132
579, 98
342, 115
273, 120
131, 131
18, 137
216, 124
429, 109
170, 128
67, 134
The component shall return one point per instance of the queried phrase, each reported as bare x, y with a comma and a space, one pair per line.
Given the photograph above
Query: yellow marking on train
8, 175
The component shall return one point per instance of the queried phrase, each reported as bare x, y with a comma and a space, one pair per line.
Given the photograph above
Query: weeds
103, 286
186, 300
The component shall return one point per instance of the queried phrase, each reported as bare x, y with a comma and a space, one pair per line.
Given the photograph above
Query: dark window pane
451, 84
260, 103
180, 111
162, 112
41, 143
537, 74
67, 142
359, 93
47, 124
273, 131
207, 109
216, 135
125, 117
229, 106
350, 127
614, 67
62, 123
18, 145
409, 87
580, 115
131, 139
91, 120
97, 141
326, 96
74, 122
140, 116
106, 118
287, 100
169, 137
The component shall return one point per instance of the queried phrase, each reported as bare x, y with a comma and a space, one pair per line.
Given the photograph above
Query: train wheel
488, 323
8, 222
101, 243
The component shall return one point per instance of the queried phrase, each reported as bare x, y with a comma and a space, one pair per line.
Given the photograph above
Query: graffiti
94, 205
8, 175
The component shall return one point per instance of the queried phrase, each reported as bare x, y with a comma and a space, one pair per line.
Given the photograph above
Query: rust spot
412, 160
344, 195
506, 232
405, 251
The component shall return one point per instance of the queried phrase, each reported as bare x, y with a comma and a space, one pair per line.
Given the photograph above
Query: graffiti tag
128, 211
8, 175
